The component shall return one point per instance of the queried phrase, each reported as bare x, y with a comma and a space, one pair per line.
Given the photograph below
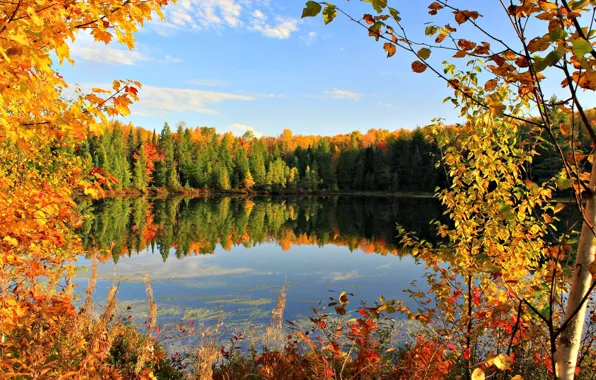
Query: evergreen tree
358, 181
257, 162
139, 176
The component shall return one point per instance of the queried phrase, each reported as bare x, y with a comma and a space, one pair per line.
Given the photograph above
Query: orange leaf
389, 48
418, 67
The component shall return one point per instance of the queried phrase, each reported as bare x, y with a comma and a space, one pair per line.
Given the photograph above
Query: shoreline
200, 193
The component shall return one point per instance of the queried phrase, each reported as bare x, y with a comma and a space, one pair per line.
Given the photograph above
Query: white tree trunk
570, 339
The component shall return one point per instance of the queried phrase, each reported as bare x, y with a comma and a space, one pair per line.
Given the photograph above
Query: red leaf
467, 354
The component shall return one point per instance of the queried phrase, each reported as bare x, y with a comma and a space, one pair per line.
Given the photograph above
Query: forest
200, 158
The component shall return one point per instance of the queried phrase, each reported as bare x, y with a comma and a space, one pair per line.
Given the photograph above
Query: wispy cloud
342, 94
159, 101
253, 15
282, 27
164, 100
387, 105
240, 129
207, 82
341, 276
86, 49
134, 268
170, 59
310, 38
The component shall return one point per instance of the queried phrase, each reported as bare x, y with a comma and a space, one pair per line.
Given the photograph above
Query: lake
229, 257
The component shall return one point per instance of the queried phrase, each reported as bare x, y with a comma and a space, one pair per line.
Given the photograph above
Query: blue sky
241, 64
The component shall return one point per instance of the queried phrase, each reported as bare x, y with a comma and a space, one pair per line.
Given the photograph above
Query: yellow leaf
478, 374
63, 51
503, 362
12, 241
90, 191
517, 377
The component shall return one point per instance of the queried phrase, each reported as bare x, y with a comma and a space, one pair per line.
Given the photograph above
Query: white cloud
240, 129
383, 104
169, 58
309, 38
282, 28
86, 48
341, 276
258, 14
108, 55
134, 268
159, 101
163, 100
343, 94
200, 15
207, 82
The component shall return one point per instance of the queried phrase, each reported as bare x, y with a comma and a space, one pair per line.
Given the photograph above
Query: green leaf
376, 26
564, 183
505, 210
378, 5
329, 13
551, 59
424, 53
312, 9
395, 14
430, 30
557, 34
581, 47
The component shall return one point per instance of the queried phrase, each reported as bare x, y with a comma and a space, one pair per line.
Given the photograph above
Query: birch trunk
570, 339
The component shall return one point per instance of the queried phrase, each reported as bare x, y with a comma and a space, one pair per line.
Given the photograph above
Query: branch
81, 26
16, 9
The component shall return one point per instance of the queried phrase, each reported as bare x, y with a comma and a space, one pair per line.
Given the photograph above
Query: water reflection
234, 254
196, 226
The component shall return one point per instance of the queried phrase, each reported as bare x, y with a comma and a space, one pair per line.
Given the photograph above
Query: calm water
229, 257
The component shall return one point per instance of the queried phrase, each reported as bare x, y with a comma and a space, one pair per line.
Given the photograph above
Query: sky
240, 65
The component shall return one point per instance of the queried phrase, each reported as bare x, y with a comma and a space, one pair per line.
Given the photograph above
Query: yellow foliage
39, 174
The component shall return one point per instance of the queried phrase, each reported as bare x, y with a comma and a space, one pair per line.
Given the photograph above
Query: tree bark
570, 338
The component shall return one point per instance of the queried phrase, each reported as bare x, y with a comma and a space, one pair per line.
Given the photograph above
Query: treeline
200, 158
379, 160
180, 227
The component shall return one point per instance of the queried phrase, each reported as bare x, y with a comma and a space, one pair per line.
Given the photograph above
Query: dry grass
208, 353
275, 336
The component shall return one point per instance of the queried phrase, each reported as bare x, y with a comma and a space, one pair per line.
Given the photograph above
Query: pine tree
358, 181
139, 177
257, 162
395, 182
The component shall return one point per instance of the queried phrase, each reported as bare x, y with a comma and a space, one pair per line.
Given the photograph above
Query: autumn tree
498, 79
39, 129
